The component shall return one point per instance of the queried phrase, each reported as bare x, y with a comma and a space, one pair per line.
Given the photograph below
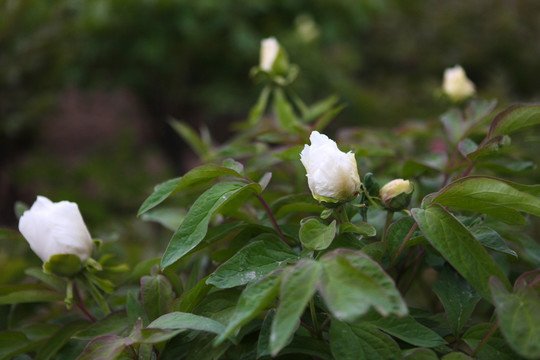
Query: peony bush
285, 245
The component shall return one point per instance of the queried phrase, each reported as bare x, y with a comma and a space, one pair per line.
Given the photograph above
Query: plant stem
341, 214
413, 271
389, 217
80, 303
486, 337
273, 220
314, 319
404, 242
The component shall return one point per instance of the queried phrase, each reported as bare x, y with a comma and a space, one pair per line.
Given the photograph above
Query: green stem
486, 337
314, 320
341, 215
389, 217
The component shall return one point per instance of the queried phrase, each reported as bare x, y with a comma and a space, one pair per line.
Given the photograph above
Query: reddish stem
80, 303
273, 220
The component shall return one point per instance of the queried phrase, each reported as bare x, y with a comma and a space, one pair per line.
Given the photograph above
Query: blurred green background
86, 87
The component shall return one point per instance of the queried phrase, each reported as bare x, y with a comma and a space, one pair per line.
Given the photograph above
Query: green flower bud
396, 195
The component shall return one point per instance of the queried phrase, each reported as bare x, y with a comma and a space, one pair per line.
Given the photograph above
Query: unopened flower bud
332, 174
456, 84
396, 195
273, 58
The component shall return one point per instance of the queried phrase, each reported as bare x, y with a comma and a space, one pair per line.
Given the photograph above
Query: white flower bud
396, 195
56, 228
456, 84
269, 53
332, 174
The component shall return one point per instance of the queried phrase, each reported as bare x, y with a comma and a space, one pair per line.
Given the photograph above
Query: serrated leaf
518, 317
253, 262
253, 300
513, 118
361, 342
495, 347
457, 296
156, 295
459, 247
315, 235
490, 196
352, 283
297, 288
194, 227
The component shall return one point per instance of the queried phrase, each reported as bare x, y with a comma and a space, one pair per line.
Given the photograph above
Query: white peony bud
456, 84
56, 228
332, 174
396, 195
269, 53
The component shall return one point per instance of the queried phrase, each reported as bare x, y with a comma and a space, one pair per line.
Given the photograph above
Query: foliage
257, 268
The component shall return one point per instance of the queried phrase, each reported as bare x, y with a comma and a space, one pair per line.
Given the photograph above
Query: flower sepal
66, 265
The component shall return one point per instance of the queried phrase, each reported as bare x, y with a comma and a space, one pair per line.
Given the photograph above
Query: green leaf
191, 298
27, 293
253, 262
297, 288
409, 330
156, 295
233, 165
456, 356
361, 228
420, 354
286, 117
495, 348
459, 247
397, 233
307, 345
454, 125
491, 239
513, 118
201, 147
491, 147
135, 310
113, 323
161, 192
361, 342
179, 320
170, 218
457, 296
316, 235
53, 281
263, 344
106, 347
518, 317
193, 229
59, 339
13, 343
253, 300
257, 111
352, 283
490, 196
319, 108
196, 176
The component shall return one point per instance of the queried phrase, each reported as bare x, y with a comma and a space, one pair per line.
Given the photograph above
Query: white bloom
269, 53
332, 174
56, 228
456, 84
396, 195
